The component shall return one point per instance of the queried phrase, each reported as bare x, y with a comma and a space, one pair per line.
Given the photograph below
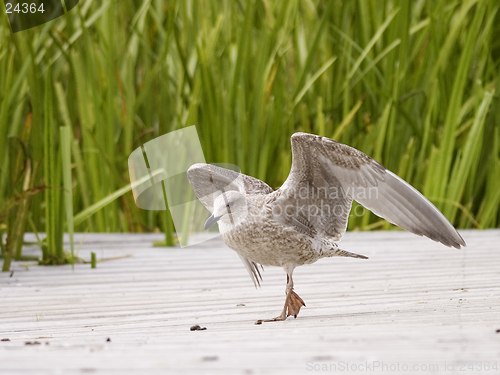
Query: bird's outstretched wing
326, 175
209, 181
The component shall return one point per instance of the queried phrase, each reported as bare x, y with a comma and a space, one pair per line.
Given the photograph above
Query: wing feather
253, 270
208, 182
363, 179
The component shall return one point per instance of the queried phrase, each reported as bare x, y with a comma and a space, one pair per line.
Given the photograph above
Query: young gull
304, 220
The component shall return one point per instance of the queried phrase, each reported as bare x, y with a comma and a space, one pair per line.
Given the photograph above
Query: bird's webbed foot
293, 303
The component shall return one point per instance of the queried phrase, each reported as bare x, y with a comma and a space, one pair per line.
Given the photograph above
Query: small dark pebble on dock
258, 322
5, 340
108, 340
197, 328
32, 343
498, 331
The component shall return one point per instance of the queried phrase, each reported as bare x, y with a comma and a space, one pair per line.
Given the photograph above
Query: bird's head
230, 208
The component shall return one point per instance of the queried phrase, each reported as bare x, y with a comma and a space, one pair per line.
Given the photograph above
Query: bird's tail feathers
341, 252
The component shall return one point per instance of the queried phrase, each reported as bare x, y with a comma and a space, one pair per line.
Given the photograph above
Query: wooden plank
413, 303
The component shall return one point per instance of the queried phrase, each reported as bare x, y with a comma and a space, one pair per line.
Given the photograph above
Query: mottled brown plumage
303, 221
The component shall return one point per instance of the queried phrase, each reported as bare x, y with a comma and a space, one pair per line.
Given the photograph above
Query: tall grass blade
65, 139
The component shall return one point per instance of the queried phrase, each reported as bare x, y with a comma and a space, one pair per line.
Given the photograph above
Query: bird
304, 220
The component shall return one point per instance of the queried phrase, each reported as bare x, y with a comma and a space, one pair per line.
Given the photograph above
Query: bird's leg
293, 303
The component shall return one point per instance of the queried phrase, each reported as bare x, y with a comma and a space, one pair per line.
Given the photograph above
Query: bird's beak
211, 221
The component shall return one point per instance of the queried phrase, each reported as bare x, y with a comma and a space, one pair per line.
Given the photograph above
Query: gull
304, 220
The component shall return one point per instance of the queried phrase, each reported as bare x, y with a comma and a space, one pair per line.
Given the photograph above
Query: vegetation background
413, 84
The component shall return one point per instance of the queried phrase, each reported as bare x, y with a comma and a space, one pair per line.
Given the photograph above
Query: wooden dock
414, 307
